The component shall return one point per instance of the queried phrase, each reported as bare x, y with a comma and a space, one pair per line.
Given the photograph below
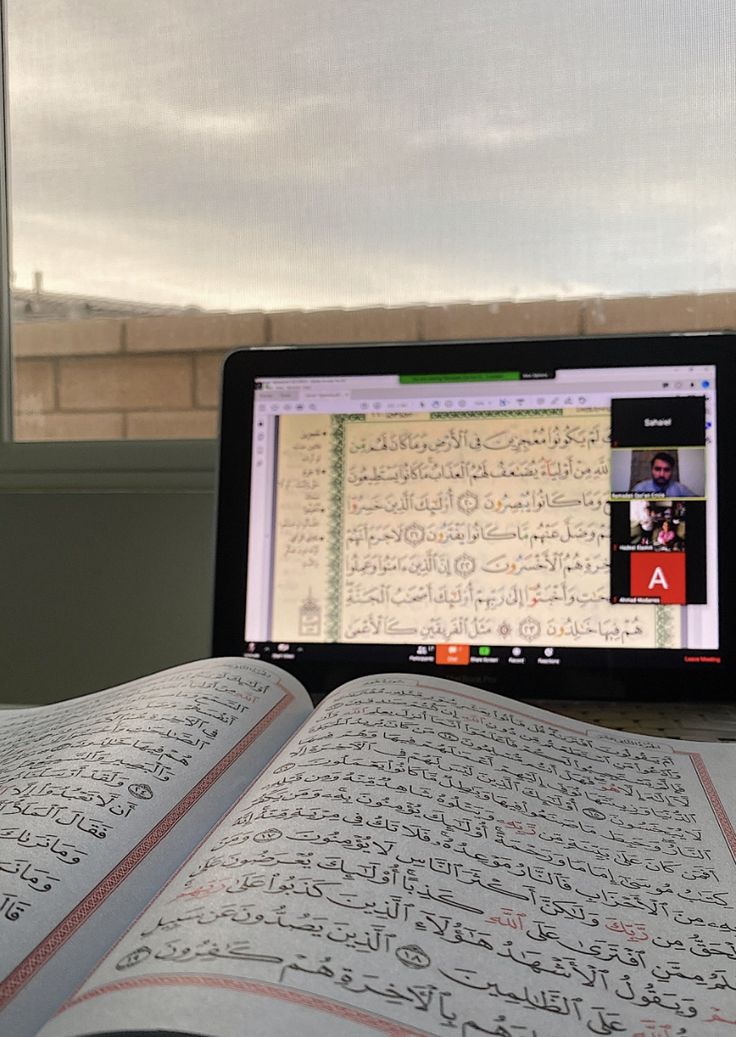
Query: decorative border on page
246, 986
711, 793
37, 958
665, 626
465, 415
336, 498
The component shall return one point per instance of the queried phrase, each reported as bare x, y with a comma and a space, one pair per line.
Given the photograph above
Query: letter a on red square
659, 575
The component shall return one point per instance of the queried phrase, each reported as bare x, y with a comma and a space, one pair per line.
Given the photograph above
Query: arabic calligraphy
412, 528
82, 782
454, 864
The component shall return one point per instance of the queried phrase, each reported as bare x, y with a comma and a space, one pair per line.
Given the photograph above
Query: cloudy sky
308, 153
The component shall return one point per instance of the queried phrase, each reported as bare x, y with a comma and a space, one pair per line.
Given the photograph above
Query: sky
277, 154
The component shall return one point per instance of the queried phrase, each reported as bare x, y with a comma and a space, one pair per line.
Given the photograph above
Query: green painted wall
99, 588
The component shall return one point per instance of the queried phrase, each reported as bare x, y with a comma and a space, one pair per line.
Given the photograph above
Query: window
185, 179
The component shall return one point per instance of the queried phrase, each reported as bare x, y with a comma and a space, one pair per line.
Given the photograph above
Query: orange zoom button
452, 655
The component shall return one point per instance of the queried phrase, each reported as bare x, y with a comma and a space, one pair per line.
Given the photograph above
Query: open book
199, 852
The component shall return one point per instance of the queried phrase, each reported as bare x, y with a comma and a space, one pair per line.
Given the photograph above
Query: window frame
124, 466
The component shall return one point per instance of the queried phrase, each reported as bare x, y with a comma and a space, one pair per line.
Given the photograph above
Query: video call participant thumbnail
662, 478
664, 473
657, 525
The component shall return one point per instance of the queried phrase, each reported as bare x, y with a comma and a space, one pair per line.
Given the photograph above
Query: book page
101, 797
452, 527
423, 858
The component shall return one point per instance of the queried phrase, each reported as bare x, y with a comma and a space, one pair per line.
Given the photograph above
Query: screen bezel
608, 681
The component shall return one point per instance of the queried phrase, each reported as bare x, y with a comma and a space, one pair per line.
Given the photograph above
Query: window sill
183, 466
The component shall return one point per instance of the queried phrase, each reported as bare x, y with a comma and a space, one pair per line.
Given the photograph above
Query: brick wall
158, 377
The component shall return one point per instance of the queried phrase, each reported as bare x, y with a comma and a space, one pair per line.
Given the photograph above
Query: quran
203, 852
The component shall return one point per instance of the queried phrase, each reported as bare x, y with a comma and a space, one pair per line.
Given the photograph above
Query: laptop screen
510, 522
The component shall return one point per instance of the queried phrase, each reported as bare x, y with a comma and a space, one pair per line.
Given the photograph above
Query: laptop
547, 519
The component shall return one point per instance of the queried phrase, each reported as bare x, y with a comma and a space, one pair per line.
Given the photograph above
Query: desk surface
715, 722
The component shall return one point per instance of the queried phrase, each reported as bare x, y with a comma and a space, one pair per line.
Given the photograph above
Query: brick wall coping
158, 377
507, 319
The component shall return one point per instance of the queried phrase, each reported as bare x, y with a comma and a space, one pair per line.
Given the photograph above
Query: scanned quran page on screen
451, 527
423, 858
101, 796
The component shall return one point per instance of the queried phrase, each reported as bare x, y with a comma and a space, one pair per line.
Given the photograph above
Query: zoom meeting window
573, 508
